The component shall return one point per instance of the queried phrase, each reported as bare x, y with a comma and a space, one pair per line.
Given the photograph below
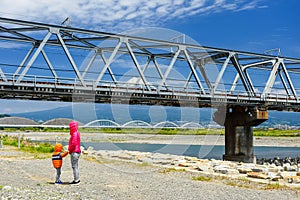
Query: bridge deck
129, 94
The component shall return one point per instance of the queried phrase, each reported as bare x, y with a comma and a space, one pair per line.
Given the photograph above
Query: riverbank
113, 175
156, 138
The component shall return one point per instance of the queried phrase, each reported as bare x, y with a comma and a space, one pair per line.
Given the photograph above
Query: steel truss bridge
60, 63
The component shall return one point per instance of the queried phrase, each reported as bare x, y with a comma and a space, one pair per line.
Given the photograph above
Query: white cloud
9, 45
109, 15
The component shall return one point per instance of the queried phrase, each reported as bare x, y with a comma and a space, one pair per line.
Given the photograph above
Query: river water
200, 151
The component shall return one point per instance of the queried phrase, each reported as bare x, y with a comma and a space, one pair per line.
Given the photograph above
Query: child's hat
58, 147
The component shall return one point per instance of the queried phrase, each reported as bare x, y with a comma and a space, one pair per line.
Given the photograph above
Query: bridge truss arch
137, 124
101, 123
192, 125
166, 124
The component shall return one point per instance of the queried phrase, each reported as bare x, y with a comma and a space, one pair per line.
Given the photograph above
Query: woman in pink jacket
74, 150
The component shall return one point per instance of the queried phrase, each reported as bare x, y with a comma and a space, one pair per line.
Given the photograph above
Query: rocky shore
286, 174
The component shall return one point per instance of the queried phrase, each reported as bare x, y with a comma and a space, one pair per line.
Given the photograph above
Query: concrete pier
238, 122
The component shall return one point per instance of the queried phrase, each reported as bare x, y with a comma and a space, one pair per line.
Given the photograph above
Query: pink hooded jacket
74, 142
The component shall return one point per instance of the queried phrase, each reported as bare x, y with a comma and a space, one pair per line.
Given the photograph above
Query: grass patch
201, 178
116, 140
276, 133
34, 129
274, 186
27, 145
168, 170
145, 164
240, 182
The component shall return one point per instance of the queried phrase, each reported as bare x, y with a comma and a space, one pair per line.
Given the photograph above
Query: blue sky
247, 25
268, 25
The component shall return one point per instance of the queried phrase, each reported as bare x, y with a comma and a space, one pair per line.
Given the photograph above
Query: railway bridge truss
61, 63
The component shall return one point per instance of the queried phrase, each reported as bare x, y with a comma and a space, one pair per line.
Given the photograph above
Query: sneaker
58, 182
75, 182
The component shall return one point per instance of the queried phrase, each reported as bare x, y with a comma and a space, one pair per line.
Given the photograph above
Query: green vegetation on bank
276, 133
33, 129
174, 131
27, 145
160, 131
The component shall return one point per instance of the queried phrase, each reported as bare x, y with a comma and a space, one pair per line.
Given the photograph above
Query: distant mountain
282, 118
151, 114
122, 113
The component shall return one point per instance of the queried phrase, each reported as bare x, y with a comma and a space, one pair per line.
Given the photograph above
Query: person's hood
58, 147
73, 127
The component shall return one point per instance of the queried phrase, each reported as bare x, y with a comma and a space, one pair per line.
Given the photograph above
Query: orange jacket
57, 156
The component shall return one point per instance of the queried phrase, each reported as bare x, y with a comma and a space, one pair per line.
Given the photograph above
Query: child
57, 160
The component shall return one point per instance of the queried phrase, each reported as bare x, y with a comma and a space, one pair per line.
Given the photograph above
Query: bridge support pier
238, 122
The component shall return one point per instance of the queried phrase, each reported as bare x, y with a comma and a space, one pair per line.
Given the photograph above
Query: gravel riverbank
25, 177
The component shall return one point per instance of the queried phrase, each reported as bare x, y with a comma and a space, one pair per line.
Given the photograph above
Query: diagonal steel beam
234, 83
3, 75
78, 39
49, 64
109, 69
249, 81
17, 34
284, 83
34, 56
289, 80
142, 48
153, 58
137, 65
244, 79
25, 60
194, 71
69, 57
208, 58
166, 74
201, 65
271, 79
147, 64
87, 68
91, 62
189, 77
244, 68
236, 79
109, 61
221, 72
